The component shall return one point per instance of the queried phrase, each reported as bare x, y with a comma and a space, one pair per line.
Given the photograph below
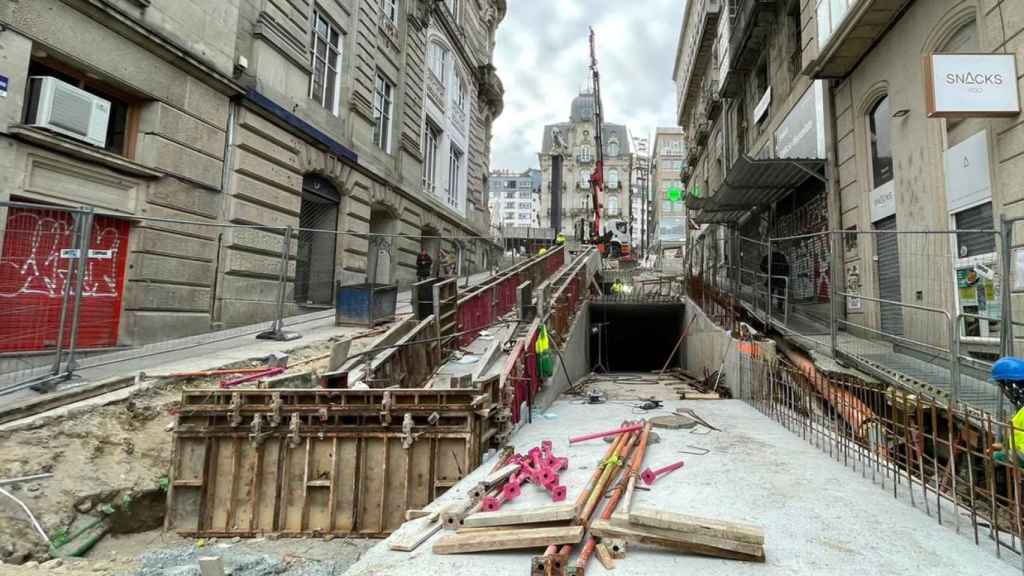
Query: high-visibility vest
543, 343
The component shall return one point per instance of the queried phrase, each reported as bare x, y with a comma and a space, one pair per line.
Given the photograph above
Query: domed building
574, 142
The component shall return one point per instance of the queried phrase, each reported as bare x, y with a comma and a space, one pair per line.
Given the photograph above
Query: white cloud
542, 57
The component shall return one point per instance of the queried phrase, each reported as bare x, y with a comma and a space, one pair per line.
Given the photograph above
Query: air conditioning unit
65, 109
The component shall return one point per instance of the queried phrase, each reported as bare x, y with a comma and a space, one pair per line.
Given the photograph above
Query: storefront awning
751, 183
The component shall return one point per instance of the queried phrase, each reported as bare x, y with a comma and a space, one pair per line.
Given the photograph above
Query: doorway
379, 261
887, 258
318, 239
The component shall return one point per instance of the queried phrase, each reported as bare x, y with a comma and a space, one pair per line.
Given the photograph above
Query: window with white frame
613, 178
389, 8
455, 177
585, 153
613, 205
459, 88
613, 148
383, 102
437, 57
431, 146
325, 58
830, 15
455, 7
584, 179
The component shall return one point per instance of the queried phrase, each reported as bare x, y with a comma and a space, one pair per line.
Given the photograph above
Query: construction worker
542, 251
618, 287
1008, 374
560, 239
423, 265
1001, 454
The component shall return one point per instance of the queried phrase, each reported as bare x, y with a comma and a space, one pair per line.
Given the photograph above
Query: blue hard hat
1008, 370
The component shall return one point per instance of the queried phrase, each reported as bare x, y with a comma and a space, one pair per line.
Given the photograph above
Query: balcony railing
696, 51
749, 27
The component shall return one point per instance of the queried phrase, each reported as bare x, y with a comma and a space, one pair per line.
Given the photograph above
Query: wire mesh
951, 464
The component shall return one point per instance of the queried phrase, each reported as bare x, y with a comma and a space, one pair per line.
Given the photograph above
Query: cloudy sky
542, 58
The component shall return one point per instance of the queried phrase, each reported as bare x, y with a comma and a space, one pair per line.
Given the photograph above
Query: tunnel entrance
634, 337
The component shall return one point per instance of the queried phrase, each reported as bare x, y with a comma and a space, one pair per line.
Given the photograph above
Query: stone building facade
845, 87
668, 161
369, 119
515, 198
574, 142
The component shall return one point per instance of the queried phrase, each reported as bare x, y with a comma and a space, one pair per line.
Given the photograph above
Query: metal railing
891, 300
81, 289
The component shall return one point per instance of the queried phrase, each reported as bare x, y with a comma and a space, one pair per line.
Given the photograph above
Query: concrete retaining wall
710, 347
576, 355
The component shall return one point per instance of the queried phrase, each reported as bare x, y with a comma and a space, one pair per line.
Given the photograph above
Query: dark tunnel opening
629, 337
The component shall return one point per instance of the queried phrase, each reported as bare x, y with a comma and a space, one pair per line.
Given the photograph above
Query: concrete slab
819, 516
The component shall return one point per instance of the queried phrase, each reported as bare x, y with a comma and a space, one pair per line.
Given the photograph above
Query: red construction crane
597, 177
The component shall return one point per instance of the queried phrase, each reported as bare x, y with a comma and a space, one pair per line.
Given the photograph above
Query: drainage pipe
853, 411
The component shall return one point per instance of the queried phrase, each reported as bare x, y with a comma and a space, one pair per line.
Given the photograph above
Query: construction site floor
819, 517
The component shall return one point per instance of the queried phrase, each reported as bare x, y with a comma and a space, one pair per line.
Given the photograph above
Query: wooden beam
680, 542
508, 539
686, 524
605, 557
551, 513
413, 533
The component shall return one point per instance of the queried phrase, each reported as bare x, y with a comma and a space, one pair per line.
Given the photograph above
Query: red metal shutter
33, 276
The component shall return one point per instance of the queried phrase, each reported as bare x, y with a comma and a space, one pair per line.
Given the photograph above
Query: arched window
880, 126
584, 179
437, 57
585, 153
613, 205
965, 39
613, 148
613, 178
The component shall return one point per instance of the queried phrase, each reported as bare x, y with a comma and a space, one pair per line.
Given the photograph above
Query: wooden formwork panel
265, 463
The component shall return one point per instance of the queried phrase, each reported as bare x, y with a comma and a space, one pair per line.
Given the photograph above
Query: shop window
880, 125
123, 123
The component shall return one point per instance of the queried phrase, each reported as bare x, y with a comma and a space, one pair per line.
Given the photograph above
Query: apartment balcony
492, 91
844, 39
694, 55
750, 23
712, 100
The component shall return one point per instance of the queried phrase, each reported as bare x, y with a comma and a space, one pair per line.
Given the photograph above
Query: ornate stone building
574, 142
352, 116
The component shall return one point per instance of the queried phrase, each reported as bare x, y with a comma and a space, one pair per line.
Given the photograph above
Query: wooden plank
346, 483
680, 542
372, 478
414, 533
332, 497
695, 525
604, 556
507, 539
551, 513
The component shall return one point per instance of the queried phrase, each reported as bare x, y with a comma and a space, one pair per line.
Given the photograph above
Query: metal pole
83, 255
277, 331
79, 220
768, 285
954, 364
836, 241
1006, 305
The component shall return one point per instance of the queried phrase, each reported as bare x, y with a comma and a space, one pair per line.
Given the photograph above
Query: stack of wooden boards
542, 526
683, 533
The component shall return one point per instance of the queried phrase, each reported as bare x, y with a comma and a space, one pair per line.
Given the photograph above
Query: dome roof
582, 108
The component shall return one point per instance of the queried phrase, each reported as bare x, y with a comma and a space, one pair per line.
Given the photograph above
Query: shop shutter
33, 273
975, 243
887, 251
